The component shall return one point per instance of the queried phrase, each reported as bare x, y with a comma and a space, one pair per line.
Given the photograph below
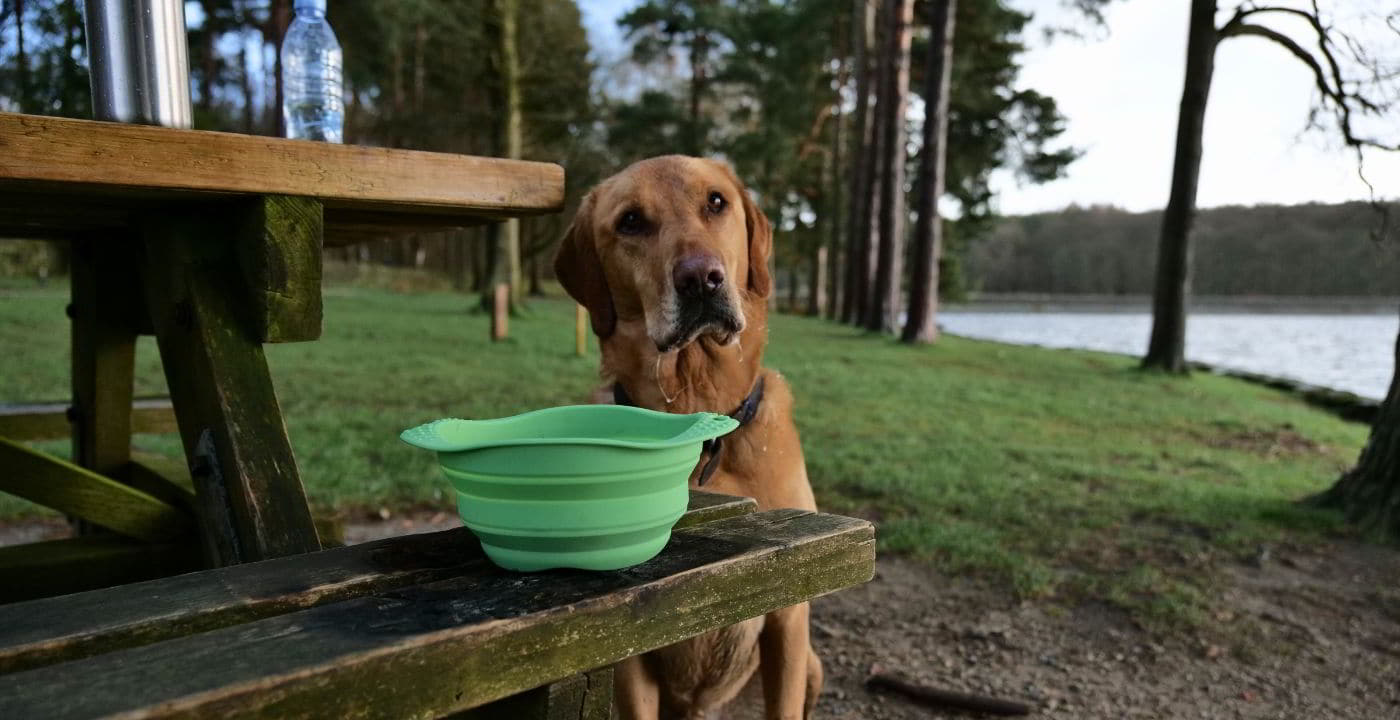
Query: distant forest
1311, 249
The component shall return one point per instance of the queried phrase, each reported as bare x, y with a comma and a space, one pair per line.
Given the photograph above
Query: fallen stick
946, 698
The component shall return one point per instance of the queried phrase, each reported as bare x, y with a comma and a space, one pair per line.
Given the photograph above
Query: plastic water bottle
312, 106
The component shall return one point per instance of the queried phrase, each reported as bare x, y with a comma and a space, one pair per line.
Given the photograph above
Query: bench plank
708, 507
428, 650
71, 161
53, 567
85, 624
49, 420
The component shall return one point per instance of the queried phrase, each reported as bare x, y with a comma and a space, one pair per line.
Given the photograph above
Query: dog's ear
760, 246
581, 272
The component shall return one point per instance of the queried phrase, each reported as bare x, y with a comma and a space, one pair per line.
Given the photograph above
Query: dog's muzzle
704, 303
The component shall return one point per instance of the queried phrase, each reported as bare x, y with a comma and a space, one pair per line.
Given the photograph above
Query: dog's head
674, 242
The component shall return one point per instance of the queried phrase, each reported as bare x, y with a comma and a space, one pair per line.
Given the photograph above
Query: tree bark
1369, 494
921, 326
245, 82
834, 204
1167, 348
883, 304
21, 60
862, 168
879, 173
506, 259
209, 64
279, 17
699, 49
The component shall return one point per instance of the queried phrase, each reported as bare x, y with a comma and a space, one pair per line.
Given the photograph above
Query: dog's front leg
785, 649
635, 691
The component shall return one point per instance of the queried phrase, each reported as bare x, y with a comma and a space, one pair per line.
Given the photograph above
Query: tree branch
1337, 96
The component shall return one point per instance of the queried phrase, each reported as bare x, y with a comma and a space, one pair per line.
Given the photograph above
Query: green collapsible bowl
595, 487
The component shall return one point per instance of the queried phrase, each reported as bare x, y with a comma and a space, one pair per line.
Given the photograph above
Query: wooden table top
59, 175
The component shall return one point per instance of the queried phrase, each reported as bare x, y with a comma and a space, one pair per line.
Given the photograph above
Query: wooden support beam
79, 492
166, 479
500, 313
59, 567
486, 634
103, 161
49, 420
587, 696
106, 298
86, 624
708, 507
580, 331
280, 254
251, 502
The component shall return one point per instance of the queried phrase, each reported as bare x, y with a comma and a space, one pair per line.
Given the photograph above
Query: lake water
1348, 352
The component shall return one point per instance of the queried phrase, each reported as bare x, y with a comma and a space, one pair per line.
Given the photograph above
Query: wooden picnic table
212, 242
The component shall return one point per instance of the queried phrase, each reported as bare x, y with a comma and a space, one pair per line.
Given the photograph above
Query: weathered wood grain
106, 297
59, 567
77, 491
249, 496
82, 158
279, 249
428, 650
707, 507
49, 215
86, 624
49, 420
161, 477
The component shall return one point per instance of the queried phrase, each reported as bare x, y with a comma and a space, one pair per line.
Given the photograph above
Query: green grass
1056, 472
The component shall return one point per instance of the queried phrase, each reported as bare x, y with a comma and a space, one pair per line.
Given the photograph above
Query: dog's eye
717, 203
631, 223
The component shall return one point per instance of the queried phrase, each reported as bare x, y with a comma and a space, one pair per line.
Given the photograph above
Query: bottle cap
317, 5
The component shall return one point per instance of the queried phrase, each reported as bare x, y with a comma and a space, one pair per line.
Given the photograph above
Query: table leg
104, 353
248, 491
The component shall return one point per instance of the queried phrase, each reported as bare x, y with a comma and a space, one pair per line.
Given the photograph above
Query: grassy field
1056, 472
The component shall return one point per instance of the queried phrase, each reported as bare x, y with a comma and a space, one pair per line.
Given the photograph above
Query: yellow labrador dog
670, 256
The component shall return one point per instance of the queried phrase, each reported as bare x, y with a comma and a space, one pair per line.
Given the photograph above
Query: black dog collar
747, 410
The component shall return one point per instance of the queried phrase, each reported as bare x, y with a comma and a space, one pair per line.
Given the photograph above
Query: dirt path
1311, 634
1303, 636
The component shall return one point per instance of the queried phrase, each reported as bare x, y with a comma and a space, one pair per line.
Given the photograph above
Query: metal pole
139, 63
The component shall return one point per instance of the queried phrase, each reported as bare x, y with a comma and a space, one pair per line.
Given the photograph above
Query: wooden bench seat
418, 626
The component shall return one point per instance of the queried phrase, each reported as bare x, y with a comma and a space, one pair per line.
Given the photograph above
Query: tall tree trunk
699, 49
209, 63
73, 88
21, 60
816, 286
506, 258
245, 81
884, 296
536, 279
1167, 349
834, 205
862, 169
510, 65
879, 163
921, 326
1369, 494
279, 17
420, 68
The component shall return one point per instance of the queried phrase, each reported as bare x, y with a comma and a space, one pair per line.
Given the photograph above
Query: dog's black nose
698, 275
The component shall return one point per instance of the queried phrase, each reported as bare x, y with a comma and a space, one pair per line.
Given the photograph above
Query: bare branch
1337, 95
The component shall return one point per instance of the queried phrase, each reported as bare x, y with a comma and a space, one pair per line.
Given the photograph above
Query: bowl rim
427, 437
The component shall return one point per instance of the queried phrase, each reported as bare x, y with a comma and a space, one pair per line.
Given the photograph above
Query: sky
1120, 89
